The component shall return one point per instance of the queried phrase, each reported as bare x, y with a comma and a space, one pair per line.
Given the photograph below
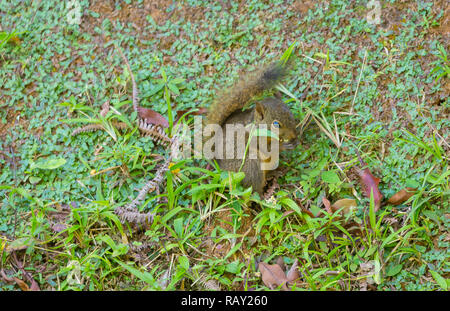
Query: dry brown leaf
152, 117
347, 204
198, 112
370, 184
5, 277
287, 213
280, 262
105, 109
327, 205
18, 244
23, 286
15, 40
402, 196
273, 276
304, 209
293, 274
34, 286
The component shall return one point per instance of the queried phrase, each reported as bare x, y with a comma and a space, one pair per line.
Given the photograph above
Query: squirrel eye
276, 124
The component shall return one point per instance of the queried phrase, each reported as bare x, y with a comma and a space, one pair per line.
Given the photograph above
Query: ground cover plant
360, 204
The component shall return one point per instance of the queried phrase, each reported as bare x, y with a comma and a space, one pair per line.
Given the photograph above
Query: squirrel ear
259, 111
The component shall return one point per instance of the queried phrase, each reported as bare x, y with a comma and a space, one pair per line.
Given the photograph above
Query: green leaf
233, 267
178, 226
120, 250
19, 244
170, 214
372, 218
287, 54
163, 74
439, 279
48, 164
394, 270
291, 204
177, 81
143, 276
34, 179
154, 90
330, 177
412, 183
184, 262
173, 88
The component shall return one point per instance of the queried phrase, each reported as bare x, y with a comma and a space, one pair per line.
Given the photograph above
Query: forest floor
365, 81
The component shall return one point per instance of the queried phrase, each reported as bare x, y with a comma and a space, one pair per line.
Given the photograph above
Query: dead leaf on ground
105, 109
23, 286
273, 276
59, 227
19, 264
152, 117
293, 275
34, 286
347, 204
280, 262
18, 244
402, 196
370, 184
5, 277
58, 218
327, 205
198, 112
304, 209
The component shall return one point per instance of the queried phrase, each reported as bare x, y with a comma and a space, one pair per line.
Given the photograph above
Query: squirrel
271, 112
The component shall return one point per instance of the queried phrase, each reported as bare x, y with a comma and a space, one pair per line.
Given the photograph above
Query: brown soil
224, 220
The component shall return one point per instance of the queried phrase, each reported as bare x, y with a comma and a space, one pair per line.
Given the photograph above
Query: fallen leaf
5, 277
273, 276
402, 196
287, 213
347, 204
19, 244
272, 186
152, 117
304, 209
293, 274
327, 205
198, 112
48, 164
321, 238
23, 286
34, 286
105, 109
59, 227
370, 184
280, 262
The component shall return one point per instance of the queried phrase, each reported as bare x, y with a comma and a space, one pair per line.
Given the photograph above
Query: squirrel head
276, 114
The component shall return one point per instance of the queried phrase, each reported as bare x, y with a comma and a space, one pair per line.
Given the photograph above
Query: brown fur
227, 110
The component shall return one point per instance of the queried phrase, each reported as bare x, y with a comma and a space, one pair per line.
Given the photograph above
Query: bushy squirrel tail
252, 84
